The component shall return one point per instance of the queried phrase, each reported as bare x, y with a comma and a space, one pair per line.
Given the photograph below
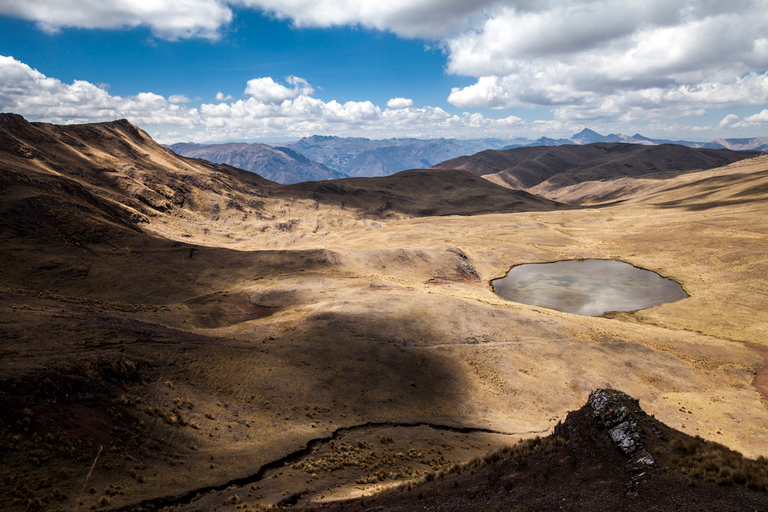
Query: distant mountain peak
587, 133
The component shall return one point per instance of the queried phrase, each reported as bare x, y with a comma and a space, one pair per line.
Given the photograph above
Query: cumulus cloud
760, 117
611, 58
728, 120
220, 96
168, 19
409, 18
171, 19
28, 92
400, 103
272, 108
732, 121
178, 98
586, 59
266, 90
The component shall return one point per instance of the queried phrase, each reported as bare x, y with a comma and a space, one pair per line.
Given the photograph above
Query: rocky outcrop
614, 411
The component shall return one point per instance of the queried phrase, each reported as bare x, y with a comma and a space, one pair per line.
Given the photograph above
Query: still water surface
588, 287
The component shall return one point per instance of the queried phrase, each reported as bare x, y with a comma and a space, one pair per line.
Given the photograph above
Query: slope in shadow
609, 455
419, 192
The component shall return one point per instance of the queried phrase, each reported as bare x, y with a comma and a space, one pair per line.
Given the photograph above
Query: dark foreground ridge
609, 455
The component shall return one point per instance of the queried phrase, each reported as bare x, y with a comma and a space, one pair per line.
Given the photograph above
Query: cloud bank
600, 62
272, 108
604, 59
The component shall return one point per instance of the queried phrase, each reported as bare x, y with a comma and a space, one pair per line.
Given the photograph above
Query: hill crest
544, 169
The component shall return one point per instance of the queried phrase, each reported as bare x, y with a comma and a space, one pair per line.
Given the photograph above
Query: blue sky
216, 70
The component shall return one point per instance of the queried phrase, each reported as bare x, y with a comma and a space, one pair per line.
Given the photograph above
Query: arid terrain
181, 334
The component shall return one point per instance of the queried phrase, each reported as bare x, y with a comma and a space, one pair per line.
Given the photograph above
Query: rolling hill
422, 192
181, 334
546, 169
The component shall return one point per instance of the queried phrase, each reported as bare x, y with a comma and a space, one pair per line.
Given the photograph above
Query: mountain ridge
540, 169
279, 164
362, 157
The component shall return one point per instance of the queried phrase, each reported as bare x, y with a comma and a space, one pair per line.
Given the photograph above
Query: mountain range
587, 136
325, 157
279, 164
360, 157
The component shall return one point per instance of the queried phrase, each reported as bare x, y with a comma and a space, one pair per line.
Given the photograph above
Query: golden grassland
226, 342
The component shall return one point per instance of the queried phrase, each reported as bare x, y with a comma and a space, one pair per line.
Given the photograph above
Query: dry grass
521, 449
361, 326
717, 463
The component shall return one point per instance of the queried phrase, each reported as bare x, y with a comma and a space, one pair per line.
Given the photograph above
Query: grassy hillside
177, 332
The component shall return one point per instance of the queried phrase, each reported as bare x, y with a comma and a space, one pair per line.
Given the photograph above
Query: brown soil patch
761, 377
224, 309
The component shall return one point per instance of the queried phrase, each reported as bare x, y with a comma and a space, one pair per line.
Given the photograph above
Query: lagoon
587, 287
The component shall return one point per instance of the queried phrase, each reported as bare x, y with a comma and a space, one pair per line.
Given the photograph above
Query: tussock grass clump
130, 400
396, 474
287, 226
173, 417
715, 462
113, 490
523, 448
341, 455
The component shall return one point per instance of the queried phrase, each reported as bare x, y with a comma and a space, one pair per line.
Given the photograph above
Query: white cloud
291, 110
728, 120
28, 92
400, 103
169, 19
761, 117
489, 91
619, 59
409, 18
178, 98
220, 97
266, 90
173, 19
272, 109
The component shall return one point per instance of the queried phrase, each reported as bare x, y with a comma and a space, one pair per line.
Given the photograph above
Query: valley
230, 342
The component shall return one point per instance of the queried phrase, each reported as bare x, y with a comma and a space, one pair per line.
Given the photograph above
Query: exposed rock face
612, 408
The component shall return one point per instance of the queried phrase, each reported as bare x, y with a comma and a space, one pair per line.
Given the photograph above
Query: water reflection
589, 287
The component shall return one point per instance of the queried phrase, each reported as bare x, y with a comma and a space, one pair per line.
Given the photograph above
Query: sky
271, 70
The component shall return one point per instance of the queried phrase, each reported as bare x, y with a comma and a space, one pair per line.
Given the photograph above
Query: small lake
587, 287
